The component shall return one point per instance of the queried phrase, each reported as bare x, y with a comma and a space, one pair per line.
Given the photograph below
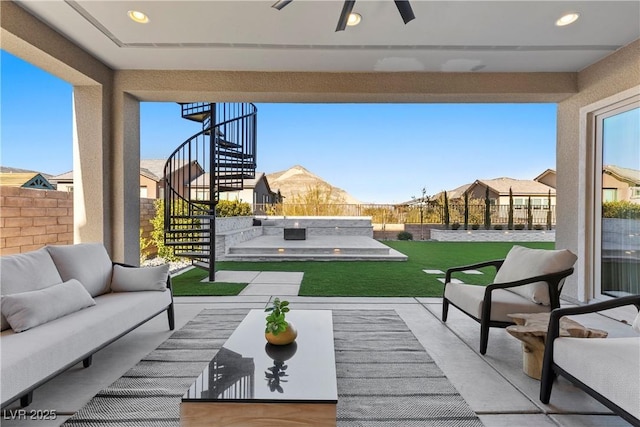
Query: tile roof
631, 176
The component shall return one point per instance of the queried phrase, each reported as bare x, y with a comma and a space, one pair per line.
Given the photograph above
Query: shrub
538, 227
621, 209
455, 225
405, 235
475, 226
226, 208
518, 227
497, 227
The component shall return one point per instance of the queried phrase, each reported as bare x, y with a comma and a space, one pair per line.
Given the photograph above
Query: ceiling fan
404, 7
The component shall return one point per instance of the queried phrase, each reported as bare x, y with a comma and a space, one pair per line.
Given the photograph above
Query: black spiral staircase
215, 160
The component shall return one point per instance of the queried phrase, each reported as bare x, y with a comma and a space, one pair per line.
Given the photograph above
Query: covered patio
493, 385
114, 67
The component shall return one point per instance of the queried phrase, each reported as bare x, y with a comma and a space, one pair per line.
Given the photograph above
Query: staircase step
186, 243
187, 230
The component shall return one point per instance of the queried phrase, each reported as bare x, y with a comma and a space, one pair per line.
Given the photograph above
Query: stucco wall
613, 75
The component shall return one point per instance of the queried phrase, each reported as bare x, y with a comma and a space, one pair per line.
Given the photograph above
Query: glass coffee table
253, 383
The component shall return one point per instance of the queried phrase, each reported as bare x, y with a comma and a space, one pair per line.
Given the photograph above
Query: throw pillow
522, 263
29, 309
89, 263
26, 272
132, 279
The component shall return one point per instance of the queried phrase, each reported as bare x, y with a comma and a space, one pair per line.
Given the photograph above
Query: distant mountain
7, 169
297, 181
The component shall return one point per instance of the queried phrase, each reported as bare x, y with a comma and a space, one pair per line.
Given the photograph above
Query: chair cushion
30, 309
522, 263
30, 271
89, 263
131, 279
636, 323
470, 298
610, 366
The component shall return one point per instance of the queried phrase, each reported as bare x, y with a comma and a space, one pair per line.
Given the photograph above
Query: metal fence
415, 214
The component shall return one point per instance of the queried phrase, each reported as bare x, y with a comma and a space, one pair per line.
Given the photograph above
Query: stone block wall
31, 219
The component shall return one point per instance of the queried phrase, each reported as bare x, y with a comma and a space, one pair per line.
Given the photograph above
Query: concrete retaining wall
493, 235
319, 225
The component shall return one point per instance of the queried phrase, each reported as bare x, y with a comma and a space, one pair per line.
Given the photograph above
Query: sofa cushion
609, 366
522, 263
470, 299
30, 309
30, 271
128, 279
89, 263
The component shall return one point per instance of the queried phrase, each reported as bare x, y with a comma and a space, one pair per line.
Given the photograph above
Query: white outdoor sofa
606, 368
61, 304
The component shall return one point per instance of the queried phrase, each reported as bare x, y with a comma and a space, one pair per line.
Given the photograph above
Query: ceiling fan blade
404, 7
344, 16
280, 4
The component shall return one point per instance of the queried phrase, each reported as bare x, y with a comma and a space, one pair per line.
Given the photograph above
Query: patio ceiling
446, 36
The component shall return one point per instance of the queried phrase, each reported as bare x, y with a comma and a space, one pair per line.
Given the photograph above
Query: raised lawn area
368, 278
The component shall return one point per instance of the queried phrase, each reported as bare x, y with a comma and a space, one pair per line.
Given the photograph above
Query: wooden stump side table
531, 329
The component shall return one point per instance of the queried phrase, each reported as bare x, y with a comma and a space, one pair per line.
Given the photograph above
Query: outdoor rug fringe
385, 377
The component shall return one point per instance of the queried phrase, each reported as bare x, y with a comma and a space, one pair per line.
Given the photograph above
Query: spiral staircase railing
215, 160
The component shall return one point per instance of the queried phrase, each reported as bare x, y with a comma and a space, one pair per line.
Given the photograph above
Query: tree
549, 211
487, 210
446, 210
510, 220
529, 215
466, 210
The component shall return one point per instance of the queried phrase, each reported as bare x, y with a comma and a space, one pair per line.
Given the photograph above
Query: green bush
497, 227
538, 227
621, 209
405, 235
226, 208
518, 227
455, 225
475, 226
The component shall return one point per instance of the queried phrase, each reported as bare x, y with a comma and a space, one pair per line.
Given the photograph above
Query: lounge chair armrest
554, 320
495, 263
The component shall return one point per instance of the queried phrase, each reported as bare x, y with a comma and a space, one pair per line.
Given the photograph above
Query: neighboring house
25, 180
521, 189
151, 178
547, 177
620, 184
63, 182
255, 191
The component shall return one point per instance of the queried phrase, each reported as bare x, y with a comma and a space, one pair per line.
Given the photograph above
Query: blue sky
379, 153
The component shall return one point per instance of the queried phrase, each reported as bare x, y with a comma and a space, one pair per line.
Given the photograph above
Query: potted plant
278, 331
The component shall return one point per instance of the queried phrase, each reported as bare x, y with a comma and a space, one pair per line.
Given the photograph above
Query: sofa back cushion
88, 263
522, 263
26, 272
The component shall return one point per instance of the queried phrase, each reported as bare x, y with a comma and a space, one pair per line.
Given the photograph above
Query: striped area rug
384, 376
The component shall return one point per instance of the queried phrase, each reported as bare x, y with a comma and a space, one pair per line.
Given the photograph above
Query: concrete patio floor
493, 385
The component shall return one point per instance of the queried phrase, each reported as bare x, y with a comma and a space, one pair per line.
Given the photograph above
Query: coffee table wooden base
204, 414
531, 329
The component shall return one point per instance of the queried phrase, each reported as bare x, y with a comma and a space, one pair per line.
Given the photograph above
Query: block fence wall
31, 219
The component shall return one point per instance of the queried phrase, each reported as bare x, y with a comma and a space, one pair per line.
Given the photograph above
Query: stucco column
125, 167
90, 156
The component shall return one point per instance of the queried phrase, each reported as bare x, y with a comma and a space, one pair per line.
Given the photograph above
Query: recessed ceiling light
354, 19
567, 19
138, 17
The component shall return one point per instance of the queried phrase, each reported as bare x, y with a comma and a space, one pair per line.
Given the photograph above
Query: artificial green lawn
369, 278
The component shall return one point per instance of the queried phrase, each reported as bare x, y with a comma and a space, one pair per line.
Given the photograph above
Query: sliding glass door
618, 202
